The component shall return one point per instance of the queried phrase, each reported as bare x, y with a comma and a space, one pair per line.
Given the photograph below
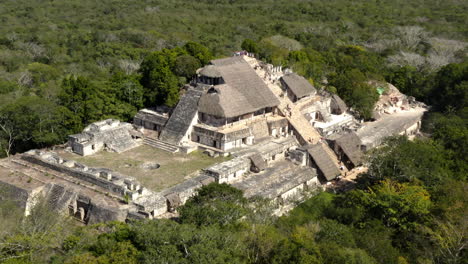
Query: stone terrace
140, 163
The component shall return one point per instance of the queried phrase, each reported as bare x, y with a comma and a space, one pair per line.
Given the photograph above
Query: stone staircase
305, 132
59, 197
160, 145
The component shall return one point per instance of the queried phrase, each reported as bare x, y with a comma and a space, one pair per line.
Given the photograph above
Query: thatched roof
258, 161
243, 92
210, 71
298, 85
351, 146
337, 105
323, 161
224, 101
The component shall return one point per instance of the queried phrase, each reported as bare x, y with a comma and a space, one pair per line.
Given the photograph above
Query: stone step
160, 142
160, 145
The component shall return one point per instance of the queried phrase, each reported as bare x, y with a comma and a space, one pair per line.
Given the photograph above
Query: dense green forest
64, 64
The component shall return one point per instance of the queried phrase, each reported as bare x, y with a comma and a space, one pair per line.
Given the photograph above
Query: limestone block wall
188, 134
23, 197
98, 213
103, 178
229, 171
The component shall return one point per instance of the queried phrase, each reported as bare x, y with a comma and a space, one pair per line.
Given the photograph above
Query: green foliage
376, 240
186, 66
160, 83
83, 99
404, 160
352, 87
215, 204
7, 86
418, 216
451, 131
398, 204
309, 63
175, 243
35, 122
198, 51
450, 90
334, 232
250, 46
409, 81
128, 89
272, 53
339, 255
34, 238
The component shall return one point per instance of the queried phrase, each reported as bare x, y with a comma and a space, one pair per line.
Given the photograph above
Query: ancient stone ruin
283, 137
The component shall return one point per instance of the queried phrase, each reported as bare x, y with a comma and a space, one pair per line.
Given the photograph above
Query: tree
214, 204
35, 236
7, 137
198, 51
352, 87
409, 161
409, 81
250, 46
186, 66
34, 122
450, 87
128, 89
83, 99
165, 241
399, 205
161, 85
335, 254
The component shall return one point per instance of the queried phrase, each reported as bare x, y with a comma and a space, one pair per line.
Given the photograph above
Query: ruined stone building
110, 134
284, 138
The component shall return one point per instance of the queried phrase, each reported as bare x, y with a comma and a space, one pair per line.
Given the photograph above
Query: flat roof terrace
153, 168
373, 132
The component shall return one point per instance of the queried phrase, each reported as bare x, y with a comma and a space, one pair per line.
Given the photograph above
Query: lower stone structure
109, 134
285, 139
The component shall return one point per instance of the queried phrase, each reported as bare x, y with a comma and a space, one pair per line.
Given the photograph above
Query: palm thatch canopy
243, 92
323, 161
210, 71
298, 85
350, 144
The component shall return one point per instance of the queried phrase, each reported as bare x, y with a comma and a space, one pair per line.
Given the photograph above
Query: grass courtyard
174, 167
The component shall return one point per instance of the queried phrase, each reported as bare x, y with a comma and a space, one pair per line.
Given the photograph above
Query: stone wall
99, 213
22, 197
81, 172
